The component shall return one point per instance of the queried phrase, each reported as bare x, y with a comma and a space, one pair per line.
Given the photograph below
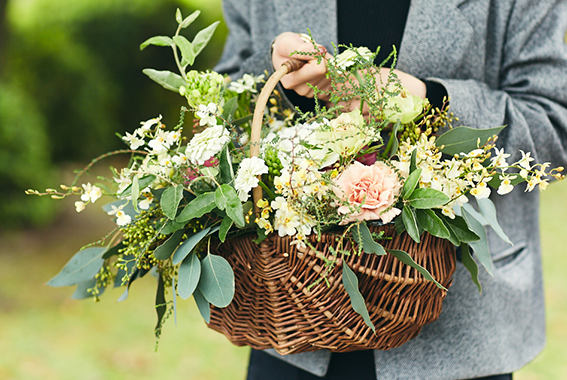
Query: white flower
246, 83
145, 204
348, 57
506, 184
206, 144
80, 206
91, 193
160, 143
525, 161
147, 125
246, 178
122, 218
499, 160
180, 159
481, 191
173, 137
134, 141
207, 114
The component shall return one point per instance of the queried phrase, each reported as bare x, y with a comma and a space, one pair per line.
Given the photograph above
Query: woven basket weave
274, 307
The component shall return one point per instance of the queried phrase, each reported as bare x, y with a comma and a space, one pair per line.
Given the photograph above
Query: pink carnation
373, 189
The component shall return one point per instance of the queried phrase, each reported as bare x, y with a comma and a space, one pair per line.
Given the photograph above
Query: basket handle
286, 68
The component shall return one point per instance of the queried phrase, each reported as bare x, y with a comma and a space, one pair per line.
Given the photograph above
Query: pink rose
373, 189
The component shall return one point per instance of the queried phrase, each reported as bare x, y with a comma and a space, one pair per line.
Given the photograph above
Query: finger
312, 72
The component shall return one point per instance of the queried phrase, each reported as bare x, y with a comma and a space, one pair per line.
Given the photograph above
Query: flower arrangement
374, 155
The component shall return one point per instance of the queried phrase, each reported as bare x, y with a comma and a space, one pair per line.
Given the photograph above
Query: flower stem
267, 190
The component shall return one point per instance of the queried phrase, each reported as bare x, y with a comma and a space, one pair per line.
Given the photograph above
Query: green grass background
45, 335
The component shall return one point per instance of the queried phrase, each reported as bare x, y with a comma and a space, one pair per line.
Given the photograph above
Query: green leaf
428, 198
225, 166
225, 226
112, 251
203, 305
203, 37
137, 273
230, 107
171, 226
130, 262
170, 200
189, 19
189, 275
410, 223
198, 207
174, 296
217, 280
168, 80
135, 193
413, 161
464, 139
227, 198
399, 224
242, 120
488, 210
431, 223
363, 237
394, 137
461, 229
186, 47
480, 247
142, 184
470, 265
157, 41
407, 259
164, 251
178, 16
161, 306
188, 246
411, 183
82, 291
350, 282
83, 266
453, 237
475, 214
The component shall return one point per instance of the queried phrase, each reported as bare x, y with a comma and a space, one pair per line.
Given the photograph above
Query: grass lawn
46, 335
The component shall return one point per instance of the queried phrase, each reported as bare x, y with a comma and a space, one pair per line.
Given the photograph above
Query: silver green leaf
157, 41
203, 305
431, 223
170, 200
488, 210
363, 237
189, 19
470, 265
405, 258
198, 207
227, 198
168, 80
82, 267
410, 223
164, 251
189, 244
350, 282
427, 198
189, 275
411, 183
203, 37
480, 247
464, 139
217, 280
186, 47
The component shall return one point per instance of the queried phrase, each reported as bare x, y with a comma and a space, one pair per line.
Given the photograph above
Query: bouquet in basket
340, 171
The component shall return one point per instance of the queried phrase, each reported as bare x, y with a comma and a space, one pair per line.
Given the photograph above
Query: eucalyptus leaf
405, 258
203, 37
411, 183
113, 251
170, 200
157, 41
189, 275
135, 193
432, 224
480, 247
488, 210
475, 214
203, 305
470, 265
161, 306
198, 207
464, 139
130, 262
82, 291
227, 198
217, 280
83, 266
350, 282
174, 296
363, 237
171, 226
410, 223
225, 226
168, 80
164, 251
188, 246
461, 229
186, 48
143, 182
427, 198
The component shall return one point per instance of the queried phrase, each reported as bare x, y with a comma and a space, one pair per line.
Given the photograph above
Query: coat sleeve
241, 55
531, 96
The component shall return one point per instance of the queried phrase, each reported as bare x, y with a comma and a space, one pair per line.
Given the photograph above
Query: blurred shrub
76, 80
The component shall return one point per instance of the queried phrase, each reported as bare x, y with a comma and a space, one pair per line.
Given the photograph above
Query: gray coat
503, 62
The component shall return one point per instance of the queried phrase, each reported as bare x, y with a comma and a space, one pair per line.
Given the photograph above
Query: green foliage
464, 139
82, 267
350, 282
217, 280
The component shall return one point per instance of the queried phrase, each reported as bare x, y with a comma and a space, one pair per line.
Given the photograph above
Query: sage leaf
189, 19
488, 210
411, 183
188, 246
189, 275
405, 258
464, 139
164, 251
198, 207
186, 48
410, 223
157, 41
168, 80
203, 305
363, 238
83, 266
203, 37
470, 265
432, 224
427, 198
170, 200
227, 198
480, 247
350, 282
217, 280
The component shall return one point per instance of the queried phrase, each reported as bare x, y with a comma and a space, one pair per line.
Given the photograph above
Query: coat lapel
436, 39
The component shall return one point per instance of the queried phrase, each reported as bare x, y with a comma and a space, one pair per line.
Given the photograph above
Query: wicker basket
274, 307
